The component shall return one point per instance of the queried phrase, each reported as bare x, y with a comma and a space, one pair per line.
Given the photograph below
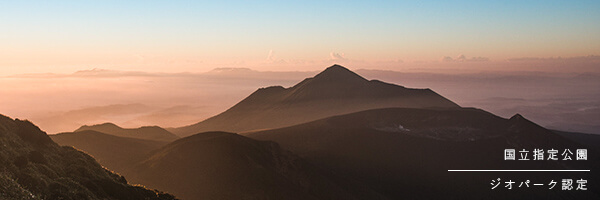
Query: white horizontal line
518, 170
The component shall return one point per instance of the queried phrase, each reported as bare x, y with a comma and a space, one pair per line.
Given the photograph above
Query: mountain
334, 91
589, 139
145, 132
115, 153
32, 166
405, 153
220, 165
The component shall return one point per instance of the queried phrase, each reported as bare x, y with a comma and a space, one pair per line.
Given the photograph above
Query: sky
197, 36
73, 62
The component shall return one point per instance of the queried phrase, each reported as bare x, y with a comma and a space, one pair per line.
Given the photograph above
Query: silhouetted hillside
145, 132
334, 91
405, 153
588, 139
32, 166
220, 165
113, 152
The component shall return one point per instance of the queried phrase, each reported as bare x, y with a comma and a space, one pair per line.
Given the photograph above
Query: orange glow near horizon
50, 37
54, 40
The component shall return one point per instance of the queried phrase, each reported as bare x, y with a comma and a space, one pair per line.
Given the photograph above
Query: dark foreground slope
144, 132
32, 166
219, 165
115, 153
334, 91
589, 139
406, 153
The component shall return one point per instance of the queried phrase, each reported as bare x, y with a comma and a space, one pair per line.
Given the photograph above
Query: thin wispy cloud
589, 58
463, 58
337, 56
270, 56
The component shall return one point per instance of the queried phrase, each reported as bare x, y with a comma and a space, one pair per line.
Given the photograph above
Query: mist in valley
64, 102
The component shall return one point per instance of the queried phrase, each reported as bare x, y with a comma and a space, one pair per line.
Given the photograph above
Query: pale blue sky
68, 34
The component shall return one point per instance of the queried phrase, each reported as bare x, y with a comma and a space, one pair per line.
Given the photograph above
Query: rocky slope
32, 166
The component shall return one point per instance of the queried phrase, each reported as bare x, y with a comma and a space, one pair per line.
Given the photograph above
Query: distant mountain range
334, 91
214, 165
146, 132
32, 166
114, 152
340, 136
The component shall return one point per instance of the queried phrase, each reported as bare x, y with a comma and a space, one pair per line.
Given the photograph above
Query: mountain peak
334, 91
521, 124
338, 73
337, 67
108, 125
517, 117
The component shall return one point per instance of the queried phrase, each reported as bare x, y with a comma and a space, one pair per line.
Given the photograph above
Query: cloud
110, 73
271, 59
337, 56
139, 57
447, 59
270, 56
480, 59
91, 73
397, 61
589, 58
578, 64
463, 58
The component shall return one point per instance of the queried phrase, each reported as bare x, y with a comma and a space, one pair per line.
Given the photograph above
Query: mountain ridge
145, 132
114, 152
406, 152
221, 165
32, 166
334, 91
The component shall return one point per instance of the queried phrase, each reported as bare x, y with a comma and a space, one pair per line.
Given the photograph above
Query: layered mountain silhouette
32, 166
114, 152
340, 136
406, 152
220, 165
145, 132
334, 91
216, 165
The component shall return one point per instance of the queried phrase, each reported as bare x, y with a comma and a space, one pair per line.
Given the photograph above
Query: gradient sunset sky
196, 36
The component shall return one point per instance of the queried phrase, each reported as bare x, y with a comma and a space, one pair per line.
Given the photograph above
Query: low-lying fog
63, 102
